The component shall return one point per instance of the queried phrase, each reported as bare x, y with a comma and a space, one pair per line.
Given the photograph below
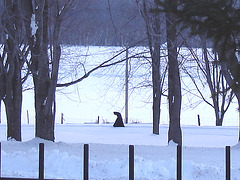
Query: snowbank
108, 148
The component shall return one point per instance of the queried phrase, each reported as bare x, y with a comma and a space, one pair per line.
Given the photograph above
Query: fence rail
131, 164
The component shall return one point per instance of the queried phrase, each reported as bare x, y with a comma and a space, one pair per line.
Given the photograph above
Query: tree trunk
44, 70
174, 84
39, 66
156, 74
44, 106
48, 17
11, 71
152, 22
13, 102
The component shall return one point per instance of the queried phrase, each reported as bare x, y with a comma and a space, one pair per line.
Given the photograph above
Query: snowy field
102, 92
98, 96
203, 152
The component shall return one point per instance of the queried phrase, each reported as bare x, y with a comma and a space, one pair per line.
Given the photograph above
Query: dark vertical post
199, 123
85, 161
228, 163
27, 117
41, 161
62, 118
131, 162
179, 162
98, 120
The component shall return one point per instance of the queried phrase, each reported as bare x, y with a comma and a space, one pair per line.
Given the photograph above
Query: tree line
31, 28
218, 21
31, 35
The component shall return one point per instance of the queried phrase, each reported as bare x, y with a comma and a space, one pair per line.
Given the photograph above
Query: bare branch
104, 64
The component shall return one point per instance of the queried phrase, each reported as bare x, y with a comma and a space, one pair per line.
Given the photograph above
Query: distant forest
110, 23
103, 22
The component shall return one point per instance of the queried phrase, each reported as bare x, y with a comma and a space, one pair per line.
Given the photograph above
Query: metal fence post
179, 162
228, 163
131, 162
85, 161
41, 161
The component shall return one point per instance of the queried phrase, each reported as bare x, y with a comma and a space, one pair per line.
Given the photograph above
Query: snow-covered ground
103, 91
203, 152
101, 94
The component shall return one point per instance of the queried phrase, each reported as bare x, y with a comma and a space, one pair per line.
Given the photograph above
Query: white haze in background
102, 92
100, 95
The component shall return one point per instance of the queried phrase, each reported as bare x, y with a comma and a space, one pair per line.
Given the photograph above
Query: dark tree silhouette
11, 63
218, 20
48, 17
174, 82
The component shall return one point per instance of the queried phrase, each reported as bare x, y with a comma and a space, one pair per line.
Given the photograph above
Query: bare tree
11, 64
219, 21
174, 86
153, 31
38, 15
209, 72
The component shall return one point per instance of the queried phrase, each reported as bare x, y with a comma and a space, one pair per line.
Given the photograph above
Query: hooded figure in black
119, 120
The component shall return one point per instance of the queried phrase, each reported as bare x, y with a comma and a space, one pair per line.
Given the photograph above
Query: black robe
119, 120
